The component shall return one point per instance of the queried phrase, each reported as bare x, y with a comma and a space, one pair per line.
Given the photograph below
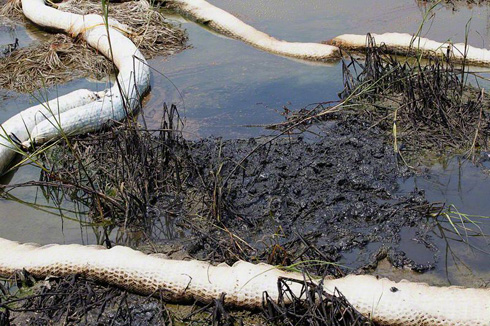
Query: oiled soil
73, 300
303, 197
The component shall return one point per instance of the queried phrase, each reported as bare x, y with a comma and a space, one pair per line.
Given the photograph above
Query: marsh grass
423, 105
125, 167
12, 9
462, 227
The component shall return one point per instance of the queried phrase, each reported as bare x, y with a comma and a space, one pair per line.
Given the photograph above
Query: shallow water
461, 184
225, 85
222, 87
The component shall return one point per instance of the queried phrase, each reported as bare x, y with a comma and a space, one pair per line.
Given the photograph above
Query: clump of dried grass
12, 9
62, 59
149, 30
51, 63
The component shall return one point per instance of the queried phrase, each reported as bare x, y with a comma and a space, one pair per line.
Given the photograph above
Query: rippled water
223, 87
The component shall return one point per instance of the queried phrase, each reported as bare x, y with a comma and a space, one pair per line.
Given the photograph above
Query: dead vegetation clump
60, 58
148, 28
424, 105
120, 173
74, 300
314, 306
51, 63
12, 9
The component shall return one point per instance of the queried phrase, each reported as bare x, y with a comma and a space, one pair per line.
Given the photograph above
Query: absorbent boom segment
225, 23
244, 283
400, 43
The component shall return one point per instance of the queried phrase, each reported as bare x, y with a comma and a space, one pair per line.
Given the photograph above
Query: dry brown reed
148, 28
61, 59
54, 62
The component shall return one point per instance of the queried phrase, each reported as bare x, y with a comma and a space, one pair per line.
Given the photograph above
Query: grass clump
314, 306
74, 300
120, 173
57, 61
424, 105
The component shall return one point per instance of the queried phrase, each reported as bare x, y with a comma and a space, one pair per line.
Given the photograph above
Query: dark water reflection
464, 186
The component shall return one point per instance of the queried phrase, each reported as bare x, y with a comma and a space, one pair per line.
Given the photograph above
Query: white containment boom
225, 23
384, 301
401, 43
80, 111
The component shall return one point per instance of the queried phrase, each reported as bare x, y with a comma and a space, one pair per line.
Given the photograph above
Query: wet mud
317, 195
304, 197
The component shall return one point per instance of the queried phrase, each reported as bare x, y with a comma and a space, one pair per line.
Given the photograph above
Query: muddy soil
316, 195
302, 197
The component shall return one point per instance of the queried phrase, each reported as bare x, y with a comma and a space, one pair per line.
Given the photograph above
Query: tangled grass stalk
12, 9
